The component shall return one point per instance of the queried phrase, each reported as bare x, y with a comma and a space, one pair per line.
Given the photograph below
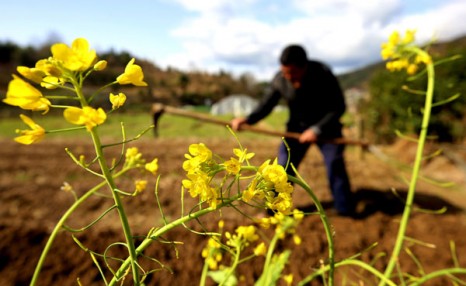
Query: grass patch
169, 126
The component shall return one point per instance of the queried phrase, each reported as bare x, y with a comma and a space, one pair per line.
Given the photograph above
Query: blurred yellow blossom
242, 154
232, 166
117, 100
133, 75
34, 135
140, 185
133, 157
401, 53
288, 279
87, 116
22, 94
260, 249
153, 166
212, 253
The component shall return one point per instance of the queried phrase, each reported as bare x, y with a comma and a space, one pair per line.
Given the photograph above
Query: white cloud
236, 36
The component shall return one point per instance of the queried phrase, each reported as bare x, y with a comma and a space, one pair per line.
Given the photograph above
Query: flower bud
100, 65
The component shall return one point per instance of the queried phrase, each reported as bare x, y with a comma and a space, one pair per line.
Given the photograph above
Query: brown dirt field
32, 203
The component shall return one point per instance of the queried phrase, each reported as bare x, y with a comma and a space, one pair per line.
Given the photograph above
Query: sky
240, 37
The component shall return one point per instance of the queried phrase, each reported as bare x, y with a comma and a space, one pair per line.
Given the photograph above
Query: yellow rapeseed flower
78, 57
87, 116
409, 37
117, 100
247, 232
33, 74
48, 67
140, 185
233, 166
260, 249
51, 82
133, 158
288, 279
34, 135
22, 94
153, 166
242, 154
133, 75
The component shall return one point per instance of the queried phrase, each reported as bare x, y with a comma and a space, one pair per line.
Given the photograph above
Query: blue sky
244, 36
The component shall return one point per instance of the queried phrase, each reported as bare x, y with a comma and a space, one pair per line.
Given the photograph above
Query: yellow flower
282, 203
51, 82
87, 116
22, 94
275, 173
260, 249
133, 75
412, 69
409, 37
298, 215
34, 135
394, 38
232, 166
78, 57
247, 232
133, 158
140, 185
33, 74
117, 100
48, 68
212, 253
288, 279
243, 154
297, 239
153, 166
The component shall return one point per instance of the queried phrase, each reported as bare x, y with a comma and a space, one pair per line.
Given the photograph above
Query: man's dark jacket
318, 103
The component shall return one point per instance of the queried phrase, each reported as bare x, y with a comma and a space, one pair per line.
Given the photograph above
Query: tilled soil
32, 202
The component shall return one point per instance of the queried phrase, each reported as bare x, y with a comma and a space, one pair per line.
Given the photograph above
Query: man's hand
308, 136
237, 122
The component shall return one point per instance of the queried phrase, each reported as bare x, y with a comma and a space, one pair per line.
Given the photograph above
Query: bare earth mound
32, 203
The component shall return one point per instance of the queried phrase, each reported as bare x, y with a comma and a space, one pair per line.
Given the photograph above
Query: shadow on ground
371, 201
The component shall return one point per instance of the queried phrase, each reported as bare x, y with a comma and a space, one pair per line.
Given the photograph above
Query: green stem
439, 273
203, 279
416, 168
268, 259
58, 226
121, 211
233, 266
160, 231
327, 227
348, 262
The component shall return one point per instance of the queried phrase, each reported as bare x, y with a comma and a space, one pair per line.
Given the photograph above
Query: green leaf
219, 276
271, 275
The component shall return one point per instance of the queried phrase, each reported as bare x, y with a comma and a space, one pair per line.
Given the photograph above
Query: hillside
174, 86
361, 77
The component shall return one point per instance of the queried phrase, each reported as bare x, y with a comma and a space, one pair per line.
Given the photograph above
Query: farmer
315, 103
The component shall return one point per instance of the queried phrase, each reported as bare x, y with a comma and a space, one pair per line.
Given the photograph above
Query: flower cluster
284, 224
401, 54
199, 166
236, 242
271, 182
66, 69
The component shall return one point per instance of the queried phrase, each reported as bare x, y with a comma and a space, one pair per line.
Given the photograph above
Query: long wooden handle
211, 119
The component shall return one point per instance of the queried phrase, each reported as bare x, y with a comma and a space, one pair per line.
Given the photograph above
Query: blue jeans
335, 166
